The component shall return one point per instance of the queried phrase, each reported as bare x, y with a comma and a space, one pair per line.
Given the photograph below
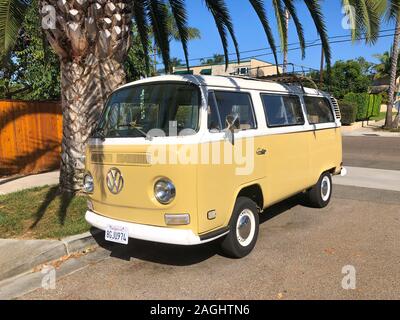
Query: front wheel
244, 226
320, 195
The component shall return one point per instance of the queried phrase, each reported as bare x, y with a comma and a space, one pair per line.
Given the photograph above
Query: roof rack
289, 78
295, 77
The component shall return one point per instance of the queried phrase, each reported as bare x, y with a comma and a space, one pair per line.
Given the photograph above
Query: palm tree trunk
92, 39
285, 52
85, 88
393, 75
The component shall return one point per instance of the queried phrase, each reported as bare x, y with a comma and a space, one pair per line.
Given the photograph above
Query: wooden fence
30, 136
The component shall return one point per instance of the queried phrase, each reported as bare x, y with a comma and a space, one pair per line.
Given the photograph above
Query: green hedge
348, 111
368, 105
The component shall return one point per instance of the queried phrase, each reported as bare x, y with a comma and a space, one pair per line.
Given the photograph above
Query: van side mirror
232, 123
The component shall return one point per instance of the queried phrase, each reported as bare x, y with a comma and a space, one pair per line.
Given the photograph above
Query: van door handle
261, 152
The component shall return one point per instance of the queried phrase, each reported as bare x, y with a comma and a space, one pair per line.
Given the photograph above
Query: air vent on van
335, 104
101, 158
134, 158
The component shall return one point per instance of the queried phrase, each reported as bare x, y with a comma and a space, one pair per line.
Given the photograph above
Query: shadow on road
181, 255
158, 252
283, 207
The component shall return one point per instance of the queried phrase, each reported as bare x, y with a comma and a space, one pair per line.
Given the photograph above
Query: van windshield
151, 110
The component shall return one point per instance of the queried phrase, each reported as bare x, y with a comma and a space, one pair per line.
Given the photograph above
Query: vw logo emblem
115, 181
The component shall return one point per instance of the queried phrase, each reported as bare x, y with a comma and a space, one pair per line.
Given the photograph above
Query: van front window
152, 109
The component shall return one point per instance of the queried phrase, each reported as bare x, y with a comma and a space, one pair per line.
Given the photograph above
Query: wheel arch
252, 191
331, 169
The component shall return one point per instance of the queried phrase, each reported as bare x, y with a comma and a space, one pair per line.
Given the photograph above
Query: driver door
229, 166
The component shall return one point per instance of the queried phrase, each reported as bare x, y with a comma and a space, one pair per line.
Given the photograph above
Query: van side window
214, 123
238, 106
281, 110
318, 110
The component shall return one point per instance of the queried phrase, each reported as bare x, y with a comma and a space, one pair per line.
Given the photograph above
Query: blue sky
251, 36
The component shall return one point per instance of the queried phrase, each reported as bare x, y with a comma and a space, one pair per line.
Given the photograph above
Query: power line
296, 43
309, 44
316, 45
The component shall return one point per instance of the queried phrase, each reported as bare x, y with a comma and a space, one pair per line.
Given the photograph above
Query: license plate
117, 234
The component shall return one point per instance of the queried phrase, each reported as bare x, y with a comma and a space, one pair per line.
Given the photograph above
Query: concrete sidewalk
372, 129
21, 256
9, 185
370, 178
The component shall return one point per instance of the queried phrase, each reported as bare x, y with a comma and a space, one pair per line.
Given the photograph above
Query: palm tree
174, 34
216, 59
176, 62
193, 33
393, 13
383, 68
363, 16
92, 39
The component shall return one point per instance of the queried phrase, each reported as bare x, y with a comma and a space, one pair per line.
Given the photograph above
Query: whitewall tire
244, 226
320, 195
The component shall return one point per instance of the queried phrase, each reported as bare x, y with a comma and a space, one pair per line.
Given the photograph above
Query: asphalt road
372, 152
299, 255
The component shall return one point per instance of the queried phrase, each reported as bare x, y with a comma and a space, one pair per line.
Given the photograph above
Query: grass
379, 117
42, 213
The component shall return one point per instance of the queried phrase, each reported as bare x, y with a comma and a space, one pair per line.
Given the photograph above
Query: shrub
368, 105
348, 111
374, 107
385, 97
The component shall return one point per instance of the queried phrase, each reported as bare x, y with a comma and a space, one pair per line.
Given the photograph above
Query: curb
80, 242
45, 252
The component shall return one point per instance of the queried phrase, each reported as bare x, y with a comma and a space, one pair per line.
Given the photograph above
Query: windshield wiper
99, 133
131, 126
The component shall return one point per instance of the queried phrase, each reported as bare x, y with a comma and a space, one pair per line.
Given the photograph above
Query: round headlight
88, 185
164, 191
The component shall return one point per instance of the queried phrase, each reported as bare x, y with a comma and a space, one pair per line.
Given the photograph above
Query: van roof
229, 82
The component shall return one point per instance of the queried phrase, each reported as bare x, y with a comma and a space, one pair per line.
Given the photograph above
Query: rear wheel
244, 226
320, 195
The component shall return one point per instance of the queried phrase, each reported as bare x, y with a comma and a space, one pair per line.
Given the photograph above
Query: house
381, 85
251, 67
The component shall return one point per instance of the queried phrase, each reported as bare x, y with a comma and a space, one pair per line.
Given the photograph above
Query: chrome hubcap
245, 227
325, 188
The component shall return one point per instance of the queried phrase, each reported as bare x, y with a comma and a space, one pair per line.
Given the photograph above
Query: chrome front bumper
149, 233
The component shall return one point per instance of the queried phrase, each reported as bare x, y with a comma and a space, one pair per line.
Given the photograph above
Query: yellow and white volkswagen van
187, 159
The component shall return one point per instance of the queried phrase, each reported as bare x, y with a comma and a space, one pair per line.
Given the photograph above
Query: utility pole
154, 48
285, 52
321, 70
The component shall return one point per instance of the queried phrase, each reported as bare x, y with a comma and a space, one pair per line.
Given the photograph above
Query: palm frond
393, 9
314, 8
365, 18
140, 17
281, 23
158, 15
180, 16
299, 27
368, 21
351, 14
223, 21
12, 14
258, 6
